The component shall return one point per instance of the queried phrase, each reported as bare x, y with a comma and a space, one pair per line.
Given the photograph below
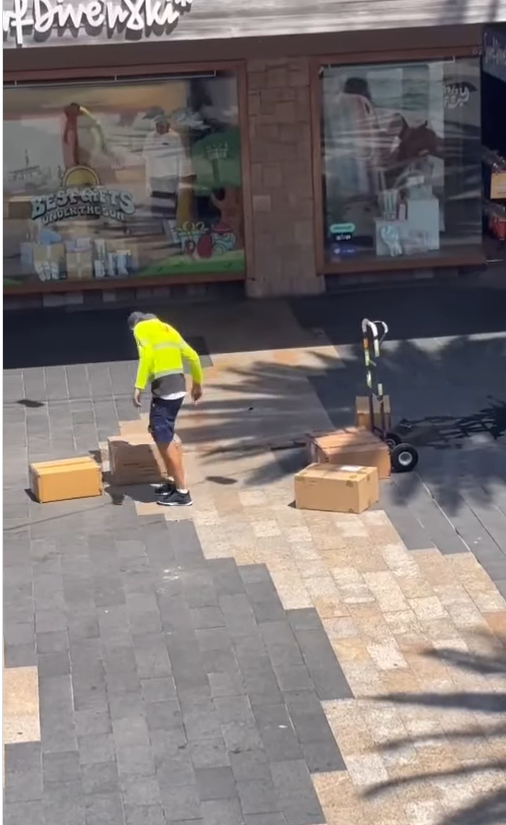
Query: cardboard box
338, 489
134, 459
67, 479
363, 416
44, 253
124, 244
79, 266
356, 447
319, 445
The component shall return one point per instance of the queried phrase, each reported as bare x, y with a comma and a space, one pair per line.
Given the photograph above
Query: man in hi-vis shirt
162, 351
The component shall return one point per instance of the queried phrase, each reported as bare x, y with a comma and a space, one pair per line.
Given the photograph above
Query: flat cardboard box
134, 459
323, 443
358, 448
336, 489
363, 415
67, 479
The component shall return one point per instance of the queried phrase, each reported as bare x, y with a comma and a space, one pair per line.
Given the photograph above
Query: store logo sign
82, 197
131, 17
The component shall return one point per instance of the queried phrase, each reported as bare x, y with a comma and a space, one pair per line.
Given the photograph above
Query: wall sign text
40, 18
82, 203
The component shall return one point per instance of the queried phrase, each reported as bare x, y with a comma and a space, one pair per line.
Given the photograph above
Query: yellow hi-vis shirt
162, 351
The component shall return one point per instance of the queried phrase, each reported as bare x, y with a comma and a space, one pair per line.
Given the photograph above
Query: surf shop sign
37, 20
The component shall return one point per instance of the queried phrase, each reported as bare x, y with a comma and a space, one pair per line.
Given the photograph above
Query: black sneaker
165, 489
175, 499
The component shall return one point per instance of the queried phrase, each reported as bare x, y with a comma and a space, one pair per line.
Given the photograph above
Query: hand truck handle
376, 331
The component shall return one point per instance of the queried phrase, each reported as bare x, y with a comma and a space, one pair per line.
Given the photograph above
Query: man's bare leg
173, 460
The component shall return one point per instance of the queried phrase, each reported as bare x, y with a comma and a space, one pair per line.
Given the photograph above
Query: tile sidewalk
242, 662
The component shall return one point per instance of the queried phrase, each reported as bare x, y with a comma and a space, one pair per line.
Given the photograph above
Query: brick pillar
281, 181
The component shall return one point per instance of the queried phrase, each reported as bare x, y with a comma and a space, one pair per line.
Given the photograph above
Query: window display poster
122, 180
384, 156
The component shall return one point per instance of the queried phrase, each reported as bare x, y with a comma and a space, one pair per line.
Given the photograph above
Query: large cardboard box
134, 459
363, 414
347, 489
66, 479
353, 446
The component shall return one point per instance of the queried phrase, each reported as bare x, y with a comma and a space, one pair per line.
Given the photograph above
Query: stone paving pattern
241, 662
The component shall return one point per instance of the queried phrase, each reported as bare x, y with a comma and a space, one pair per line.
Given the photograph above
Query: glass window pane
122, 180
401, 159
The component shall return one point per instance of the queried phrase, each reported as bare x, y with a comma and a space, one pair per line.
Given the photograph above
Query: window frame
463, 255
238, 68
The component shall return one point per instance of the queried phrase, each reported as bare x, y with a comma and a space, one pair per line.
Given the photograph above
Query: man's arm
189, 355
144, 370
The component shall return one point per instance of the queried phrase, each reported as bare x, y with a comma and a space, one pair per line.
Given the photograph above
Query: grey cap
136, 317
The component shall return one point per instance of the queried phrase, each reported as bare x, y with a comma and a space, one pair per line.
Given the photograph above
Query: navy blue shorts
162, 419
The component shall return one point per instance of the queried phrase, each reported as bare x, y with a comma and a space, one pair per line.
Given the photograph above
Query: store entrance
493, 101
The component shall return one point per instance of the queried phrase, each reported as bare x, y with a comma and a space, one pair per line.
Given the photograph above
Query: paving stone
96, 748
144, 815
55, 642
21, 655
151, 656
308, 718
159, 689
257, 795
226, 577
222, 812
100, 778
250, 764
56, 715
181, 803
21, 813
64, 803
173, 762
226, 684
23, 773
323, 757
324, 669
215, 783
209, 753
141, 790
166, 716
277, 733
106, 809
136, 760
202, 722
61, 767
234, 709
296, 795
53, 664
265, 819
130, 731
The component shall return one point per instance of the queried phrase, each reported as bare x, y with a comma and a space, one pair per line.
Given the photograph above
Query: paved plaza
242, 662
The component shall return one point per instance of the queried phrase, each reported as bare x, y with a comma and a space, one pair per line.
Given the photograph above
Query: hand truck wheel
404, 458
392, 440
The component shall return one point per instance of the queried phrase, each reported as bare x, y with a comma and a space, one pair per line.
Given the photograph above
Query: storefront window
401, 159
122, 180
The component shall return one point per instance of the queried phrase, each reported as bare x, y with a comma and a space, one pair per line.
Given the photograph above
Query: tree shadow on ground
488, 707
446, 395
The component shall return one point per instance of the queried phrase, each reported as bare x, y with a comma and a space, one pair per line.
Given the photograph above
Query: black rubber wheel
392, 440
404, 458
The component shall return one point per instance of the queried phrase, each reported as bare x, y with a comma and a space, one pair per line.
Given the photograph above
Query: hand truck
404, 457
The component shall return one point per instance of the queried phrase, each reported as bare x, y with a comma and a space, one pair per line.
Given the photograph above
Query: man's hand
196, 393
136, 398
